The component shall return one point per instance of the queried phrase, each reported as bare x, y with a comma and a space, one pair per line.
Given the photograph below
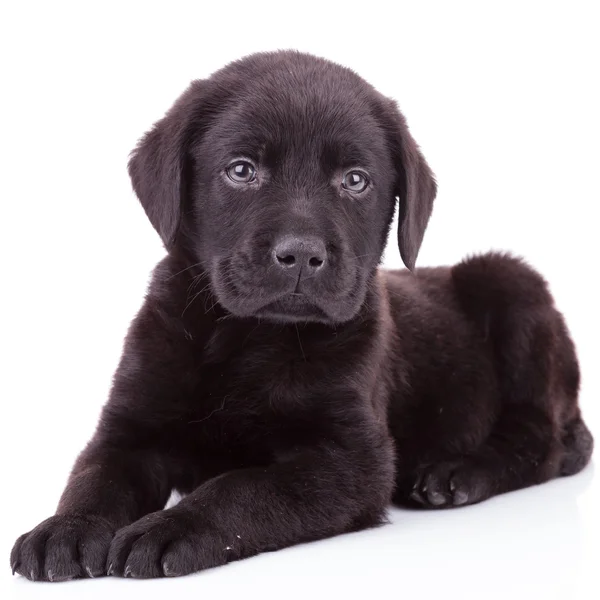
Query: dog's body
274, 374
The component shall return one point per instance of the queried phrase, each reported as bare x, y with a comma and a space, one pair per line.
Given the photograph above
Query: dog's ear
158, 163
415, 185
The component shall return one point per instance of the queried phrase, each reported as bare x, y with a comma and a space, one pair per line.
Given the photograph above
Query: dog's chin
294, 308
299, 308
287, 306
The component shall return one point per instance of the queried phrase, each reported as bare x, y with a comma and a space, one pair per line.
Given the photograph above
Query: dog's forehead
300, 114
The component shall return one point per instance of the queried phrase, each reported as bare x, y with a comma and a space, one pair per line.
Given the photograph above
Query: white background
504, 100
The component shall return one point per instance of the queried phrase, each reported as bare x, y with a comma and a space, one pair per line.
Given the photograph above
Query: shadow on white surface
535, 543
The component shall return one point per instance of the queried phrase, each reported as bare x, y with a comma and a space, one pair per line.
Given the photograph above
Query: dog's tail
578, 442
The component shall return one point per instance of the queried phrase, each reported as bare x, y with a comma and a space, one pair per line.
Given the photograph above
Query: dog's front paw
63, 547
165, 543
452, 483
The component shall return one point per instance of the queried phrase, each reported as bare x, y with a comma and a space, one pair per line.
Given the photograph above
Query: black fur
274, 374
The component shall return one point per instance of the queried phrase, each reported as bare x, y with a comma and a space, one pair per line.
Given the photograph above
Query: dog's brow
250, 151
343, 154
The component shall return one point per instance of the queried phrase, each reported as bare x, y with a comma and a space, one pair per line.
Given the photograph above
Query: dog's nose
300, 253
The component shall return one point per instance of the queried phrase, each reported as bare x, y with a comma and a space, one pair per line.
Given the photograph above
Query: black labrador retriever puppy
274, 375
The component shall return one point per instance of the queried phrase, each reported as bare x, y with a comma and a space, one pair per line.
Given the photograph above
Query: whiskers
186, 269
300, 343
190, 302
195, 281
357, 256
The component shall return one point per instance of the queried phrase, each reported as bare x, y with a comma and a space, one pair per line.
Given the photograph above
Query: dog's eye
355, 181
241, 172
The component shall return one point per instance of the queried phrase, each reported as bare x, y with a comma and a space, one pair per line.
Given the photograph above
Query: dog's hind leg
524, 449
538, 434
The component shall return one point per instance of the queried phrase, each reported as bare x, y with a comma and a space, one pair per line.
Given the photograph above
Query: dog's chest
252, 396
245, 412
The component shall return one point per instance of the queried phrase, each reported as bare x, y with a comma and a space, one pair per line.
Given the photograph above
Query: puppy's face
293, 200
280, 175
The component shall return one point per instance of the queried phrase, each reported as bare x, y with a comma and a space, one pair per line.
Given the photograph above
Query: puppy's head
280, 175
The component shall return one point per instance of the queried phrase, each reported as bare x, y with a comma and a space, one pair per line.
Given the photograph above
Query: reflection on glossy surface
536, 543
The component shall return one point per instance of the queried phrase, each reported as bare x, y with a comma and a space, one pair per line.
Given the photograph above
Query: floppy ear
157, 164
415, 187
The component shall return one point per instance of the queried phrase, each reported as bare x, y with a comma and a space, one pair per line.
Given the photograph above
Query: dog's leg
310, 494
107, 490
523, 449
538, 433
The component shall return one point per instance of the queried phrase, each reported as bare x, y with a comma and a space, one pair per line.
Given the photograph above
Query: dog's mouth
330, 301
293, 307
